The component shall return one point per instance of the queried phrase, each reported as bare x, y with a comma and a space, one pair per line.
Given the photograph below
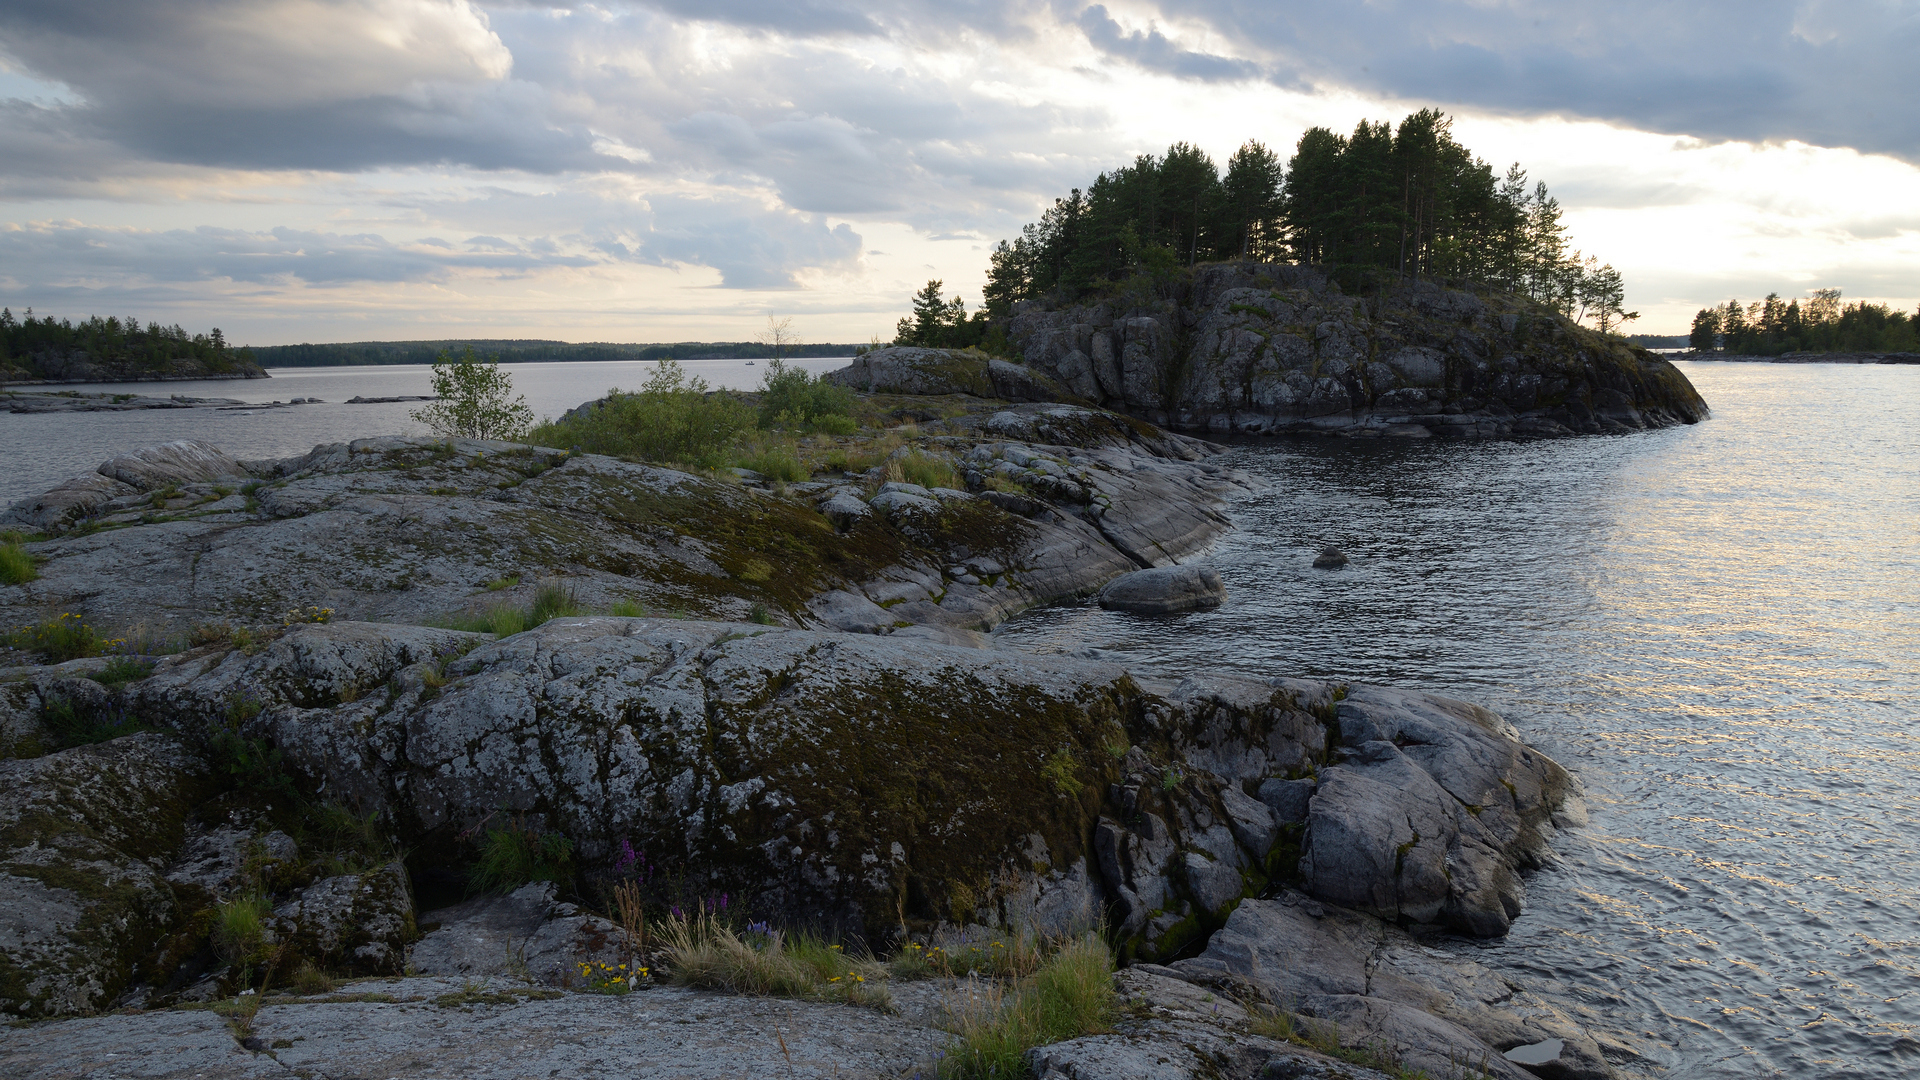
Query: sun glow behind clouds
620, 173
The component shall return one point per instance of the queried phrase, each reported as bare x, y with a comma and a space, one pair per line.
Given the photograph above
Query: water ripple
1715, 627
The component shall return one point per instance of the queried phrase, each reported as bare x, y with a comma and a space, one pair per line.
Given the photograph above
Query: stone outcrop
527, 931
1051, 502
852, 781
1280, 349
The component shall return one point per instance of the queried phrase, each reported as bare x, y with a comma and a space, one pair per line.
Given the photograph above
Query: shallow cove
1716, 627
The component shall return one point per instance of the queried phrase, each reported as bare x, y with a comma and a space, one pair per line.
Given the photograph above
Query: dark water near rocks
1716, 627
41, 450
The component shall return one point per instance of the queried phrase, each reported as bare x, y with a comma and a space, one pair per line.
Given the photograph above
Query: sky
341, 170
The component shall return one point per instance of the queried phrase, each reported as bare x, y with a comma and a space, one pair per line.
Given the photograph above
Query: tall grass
704, 951
62, 638
16, 566
1069, 995
553, 600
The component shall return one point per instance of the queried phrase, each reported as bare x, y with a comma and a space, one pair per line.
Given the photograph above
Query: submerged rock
1165, 590
1330, 558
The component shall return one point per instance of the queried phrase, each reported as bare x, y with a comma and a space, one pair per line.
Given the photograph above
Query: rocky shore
1806, 358
788, 705
1280, 349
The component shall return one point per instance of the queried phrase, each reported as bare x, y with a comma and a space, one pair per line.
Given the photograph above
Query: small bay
1716, 627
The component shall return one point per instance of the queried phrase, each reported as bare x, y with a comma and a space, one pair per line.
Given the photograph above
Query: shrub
554, 600
1070, 995
792, 398
16, 566
474, 400
311, 979
517, 854
672, 418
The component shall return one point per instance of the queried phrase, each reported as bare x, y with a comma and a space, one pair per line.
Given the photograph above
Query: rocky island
413, 743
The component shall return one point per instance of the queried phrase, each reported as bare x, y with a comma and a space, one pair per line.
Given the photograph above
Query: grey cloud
1152, 50
795, 18
60, 253
1829, 74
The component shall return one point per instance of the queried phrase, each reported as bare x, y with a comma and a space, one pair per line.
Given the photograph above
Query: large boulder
351, 923
1165, 590
1254, 348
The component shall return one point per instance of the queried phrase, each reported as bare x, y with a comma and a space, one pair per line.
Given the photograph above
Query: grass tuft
703, 951
1071, 994
16, 565
517, 854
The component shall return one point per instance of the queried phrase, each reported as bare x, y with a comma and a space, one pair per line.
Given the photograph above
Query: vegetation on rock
671, 418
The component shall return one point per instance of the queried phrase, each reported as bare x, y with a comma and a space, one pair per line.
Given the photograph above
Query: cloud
73, 253
1152, 50
753, 248
1825, 73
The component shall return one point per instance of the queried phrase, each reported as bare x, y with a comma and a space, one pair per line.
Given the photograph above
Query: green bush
122, 670
671, 418
474, 400
16, 566
791, 398
516, 854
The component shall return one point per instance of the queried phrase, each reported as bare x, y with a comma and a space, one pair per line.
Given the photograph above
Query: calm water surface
1715, 627
43, 450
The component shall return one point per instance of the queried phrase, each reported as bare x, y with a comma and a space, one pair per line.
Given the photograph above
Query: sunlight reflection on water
1716, 627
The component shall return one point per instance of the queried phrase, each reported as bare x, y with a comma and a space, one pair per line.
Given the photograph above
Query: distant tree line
111, 340
1410, 202
512, 351
1772, 327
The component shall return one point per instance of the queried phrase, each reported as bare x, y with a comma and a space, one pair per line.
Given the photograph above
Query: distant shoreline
1804, 358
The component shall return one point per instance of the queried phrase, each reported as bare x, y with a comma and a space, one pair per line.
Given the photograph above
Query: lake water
46, 448
1716, 627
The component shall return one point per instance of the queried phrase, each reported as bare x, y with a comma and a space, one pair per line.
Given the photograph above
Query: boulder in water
1330, 558
1164, 590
